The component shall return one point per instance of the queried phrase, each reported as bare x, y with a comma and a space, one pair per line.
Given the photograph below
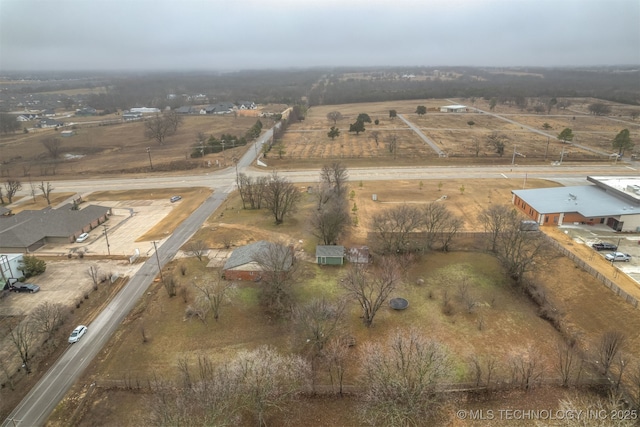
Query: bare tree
392, 145
53, 145
94, 274
392, 229
330, 221
316, 323
566, 361
439, 224
334, 116
496, 219
169, 284
213, 294
197, 249
608, 347
335, 176
400, 378
11, 187
32, 190
520, 252
251, 190
266, 380
375, 135
46, 191
527, 367
371, 287
23, 337
497, 142
158, 128
279, 271
335, 355
47, 318
281, 196
465, 295
174, 120
613, 403
477, 146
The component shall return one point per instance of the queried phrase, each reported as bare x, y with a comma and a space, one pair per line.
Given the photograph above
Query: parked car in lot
175, 199
604, 246
16, 286
77, 333
81, 238
618, 256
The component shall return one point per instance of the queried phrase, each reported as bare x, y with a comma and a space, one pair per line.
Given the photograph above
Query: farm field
505, 323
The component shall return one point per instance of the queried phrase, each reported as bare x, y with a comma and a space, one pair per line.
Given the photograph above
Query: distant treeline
318, 86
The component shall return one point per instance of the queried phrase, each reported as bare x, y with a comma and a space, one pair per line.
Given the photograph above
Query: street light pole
107, 239
149, 153
158, 259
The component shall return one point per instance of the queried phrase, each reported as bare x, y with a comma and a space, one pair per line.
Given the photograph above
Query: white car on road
77, 334
618, 256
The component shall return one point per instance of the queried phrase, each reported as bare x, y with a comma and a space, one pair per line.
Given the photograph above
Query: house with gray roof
28, 231
241, 265
220, 108
612, 201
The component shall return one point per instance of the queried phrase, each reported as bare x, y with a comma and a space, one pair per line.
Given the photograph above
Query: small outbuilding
329, 255
454, 109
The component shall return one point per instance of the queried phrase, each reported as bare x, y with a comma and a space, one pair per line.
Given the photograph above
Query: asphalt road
43, 398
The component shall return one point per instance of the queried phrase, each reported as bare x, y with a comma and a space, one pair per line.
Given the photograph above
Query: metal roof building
614, 201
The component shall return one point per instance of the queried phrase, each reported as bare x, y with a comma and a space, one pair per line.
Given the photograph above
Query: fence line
592, 271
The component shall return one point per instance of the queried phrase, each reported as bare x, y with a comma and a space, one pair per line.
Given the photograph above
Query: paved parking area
627, 243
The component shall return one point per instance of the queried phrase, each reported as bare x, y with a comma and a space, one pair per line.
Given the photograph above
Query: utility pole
546, 150
107, 239
149, 153
158, 259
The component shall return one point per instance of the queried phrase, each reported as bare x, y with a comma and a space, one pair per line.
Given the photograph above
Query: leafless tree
316, 323
197, 249
439, 224
32, 190
527, 367
213, 294
334, 116
169, 284
158, 128
566, 361
371, 286
281, 196
400, 378
335, 176
335, 355
496, 219
330, 221
477, 146
11, 187
608, 347
4, 367
392, 229
93, 272
266, 380
520, 252
279, 273
465, 295
251, 190
23, 337
46, 191
497, 141
174, 120
53, 145
392, 145
634, 383
47, 317
375, 135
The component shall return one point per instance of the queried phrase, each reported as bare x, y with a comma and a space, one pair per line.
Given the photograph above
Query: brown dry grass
27, 203
511, 321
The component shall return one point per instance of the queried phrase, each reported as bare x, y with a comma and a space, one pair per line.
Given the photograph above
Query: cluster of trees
216, 145
11, 186
32, 266
276, 193
358, 126
331, 217
406, 229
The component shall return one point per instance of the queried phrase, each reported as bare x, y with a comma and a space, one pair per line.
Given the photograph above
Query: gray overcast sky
241, 34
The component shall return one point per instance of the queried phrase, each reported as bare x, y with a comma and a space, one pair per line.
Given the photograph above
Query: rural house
612, 201
48, 123
241, 265
454, 109
329, 255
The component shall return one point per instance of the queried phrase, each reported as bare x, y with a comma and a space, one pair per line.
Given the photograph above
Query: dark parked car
603, 246
15, 286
